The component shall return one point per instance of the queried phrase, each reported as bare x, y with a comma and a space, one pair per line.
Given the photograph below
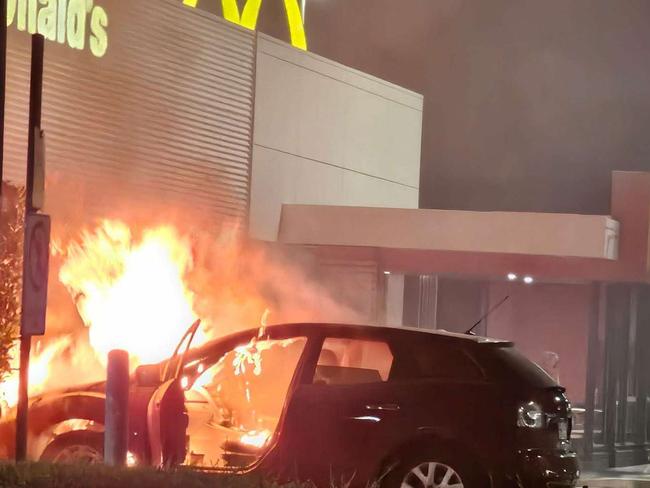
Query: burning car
343, 403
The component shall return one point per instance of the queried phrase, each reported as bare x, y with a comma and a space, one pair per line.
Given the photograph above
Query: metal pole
3, 87
22, 409
35, 103
116, 435
36, 88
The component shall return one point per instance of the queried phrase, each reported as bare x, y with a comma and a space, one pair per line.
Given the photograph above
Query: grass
40, 475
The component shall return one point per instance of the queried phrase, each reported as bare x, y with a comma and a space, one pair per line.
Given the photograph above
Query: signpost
35, 274
3, 88
36, 246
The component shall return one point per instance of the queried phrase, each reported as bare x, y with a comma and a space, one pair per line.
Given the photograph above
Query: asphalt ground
609, 482
630, 477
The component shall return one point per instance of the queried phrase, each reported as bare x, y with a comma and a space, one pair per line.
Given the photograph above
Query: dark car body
465, 402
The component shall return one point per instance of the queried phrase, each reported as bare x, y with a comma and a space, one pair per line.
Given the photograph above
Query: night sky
529, 104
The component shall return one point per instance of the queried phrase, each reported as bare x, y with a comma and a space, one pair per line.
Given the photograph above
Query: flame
71, 425
255, 438
131, 292
251, 353
40, 371
140, 290
248, 354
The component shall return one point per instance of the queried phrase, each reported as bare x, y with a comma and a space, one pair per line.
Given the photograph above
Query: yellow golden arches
251, 11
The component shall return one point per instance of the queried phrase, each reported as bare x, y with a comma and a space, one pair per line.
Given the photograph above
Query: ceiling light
512, 276
528, 280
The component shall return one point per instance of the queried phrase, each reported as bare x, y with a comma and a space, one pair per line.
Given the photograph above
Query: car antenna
470, 331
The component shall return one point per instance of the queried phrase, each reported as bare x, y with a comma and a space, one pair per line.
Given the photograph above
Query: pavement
628, 477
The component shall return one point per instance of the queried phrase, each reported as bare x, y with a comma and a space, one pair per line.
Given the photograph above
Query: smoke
233, 280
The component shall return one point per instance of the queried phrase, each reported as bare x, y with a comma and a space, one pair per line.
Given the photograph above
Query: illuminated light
250, 14
184, 382
200, 369
512, 276
387, 273
231, 11
528, 280
76, 23
296, 26
131, 460
368, 418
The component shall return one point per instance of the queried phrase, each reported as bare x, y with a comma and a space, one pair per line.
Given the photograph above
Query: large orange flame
131, 292
40, 371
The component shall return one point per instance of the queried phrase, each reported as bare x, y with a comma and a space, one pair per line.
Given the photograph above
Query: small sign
36, 262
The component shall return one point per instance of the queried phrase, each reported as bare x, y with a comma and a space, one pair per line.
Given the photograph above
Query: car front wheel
78, 447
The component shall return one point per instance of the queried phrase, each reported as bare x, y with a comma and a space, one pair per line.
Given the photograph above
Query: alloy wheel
79, 454
432, 475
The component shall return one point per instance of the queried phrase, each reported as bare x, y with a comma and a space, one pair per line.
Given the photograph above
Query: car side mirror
148, 375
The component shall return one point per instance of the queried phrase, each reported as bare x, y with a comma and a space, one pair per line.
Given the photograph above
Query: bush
11, 268
41, 475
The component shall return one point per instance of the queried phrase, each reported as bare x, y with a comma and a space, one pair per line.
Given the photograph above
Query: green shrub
11, 267
41, 475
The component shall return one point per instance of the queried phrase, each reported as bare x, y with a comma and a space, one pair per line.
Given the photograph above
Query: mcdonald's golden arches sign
247, 17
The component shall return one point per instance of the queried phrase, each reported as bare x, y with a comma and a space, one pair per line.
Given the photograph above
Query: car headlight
530, 415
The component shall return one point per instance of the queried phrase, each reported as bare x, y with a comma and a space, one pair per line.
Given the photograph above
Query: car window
353, 361
246, 390
444, 362
512, 363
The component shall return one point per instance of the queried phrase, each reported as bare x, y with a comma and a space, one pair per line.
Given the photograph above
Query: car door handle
389, 407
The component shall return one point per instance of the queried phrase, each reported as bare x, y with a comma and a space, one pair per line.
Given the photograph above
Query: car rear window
515, 364
353, 361
444, 363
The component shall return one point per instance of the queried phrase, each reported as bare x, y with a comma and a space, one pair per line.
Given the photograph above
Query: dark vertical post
23, 399
638, 344
610, 388
3, 84
643, 364
598, 299
35, 103
623, 340
35, 99
117, 405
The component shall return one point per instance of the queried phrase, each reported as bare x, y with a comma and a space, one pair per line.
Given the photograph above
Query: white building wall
326, 134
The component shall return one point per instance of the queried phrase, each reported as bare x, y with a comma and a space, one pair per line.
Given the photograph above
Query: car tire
432, 468
79, 446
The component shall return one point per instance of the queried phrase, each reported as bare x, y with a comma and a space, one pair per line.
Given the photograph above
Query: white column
394, 299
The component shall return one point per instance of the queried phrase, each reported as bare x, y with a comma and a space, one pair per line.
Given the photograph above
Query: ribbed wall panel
166, 114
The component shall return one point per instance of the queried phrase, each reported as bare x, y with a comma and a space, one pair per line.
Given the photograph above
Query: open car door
167, 418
